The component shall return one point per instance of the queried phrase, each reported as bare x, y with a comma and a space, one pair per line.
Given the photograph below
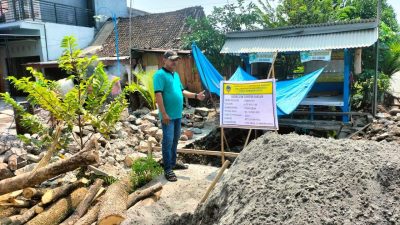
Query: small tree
85, 104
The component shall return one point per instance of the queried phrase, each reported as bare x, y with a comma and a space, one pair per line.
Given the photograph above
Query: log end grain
112, 219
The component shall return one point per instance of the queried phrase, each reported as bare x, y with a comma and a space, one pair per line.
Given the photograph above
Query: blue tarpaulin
241, 75
210, 77
289, 94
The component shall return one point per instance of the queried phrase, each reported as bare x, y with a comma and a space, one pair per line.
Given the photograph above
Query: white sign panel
267, 57
248, 104
323, 55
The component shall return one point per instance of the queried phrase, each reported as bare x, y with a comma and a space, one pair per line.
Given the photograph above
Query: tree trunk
90, 217
5, 172
57, 212
142, 194
8, 211
30, 193
9, 196
39, 208
20, 219
20, 203
113, 206
56, 193
30, 179
85, 204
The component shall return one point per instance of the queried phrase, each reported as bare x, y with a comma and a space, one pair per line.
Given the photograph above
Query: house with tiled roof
151, 35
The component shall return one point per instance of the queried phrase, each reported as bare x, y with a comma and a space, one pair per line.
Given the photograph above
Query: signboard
248, 104
323, 55
267, 57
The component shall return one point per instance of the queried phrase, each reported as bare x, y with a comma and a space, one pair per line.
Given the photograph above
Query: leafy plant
85, 104
363, 86
144, 87
209, 32
144, 170
391, 59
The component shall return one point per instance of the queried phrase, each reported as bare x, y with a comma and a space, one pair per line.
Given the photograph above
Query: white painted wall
56, 32
49, 42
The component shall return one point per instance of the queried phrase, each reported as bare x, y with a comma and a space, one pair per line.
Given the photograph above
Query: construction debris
385, 127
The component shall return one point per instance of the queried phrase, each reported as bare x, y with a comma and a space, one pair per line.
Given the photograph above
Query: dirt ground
178, 197
293, 179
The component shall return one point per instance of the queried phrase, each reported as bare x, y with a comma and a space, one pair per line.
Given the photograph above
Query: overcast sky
163, 6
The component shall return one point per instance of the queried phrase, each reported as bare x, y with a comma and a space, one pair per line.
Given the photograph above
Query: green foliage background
209, 32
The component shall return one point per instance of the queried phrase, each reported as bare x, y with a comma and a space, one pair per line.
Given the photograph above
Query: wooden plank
321, 113
360, 130
312, 124
201, 152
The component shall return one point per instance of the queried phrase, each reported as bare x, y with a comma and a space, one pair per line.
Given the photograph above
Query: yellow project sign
259, 88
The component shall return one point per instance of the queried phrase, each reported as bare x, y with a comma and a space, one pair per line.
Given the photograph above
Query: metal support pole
55, 12
114, 18
375, 87
76, 17
15, 10
375, 91
32, 10
22, 9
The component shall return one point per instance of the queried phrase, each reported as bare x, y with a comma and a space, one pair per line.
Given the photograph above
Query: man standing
169, 97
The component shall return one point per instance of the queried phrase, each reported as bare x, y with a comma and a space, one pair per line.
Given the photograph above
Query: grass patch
143, 171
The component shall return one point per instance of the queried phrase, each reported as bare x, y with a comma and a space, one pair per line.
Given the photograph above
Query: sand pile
292, 179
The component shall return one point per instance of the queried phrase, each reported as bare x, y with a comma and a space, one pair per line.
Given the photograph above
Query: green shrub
85, 104
144, 170
363, 88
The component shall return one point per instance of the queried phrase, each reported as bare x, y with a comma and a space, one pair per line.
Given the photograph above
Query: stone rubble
127, 142
384, 127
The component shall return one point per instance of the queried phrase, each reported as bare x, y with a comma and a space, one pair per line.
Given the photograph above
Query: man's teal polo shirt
169, 84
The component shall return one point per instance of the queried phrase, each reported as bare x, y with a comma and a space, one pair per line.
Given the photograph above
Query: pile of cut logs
22, 201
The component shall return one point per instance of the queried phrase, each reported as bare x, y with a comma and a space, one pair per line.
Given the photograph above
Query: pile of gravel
293, 179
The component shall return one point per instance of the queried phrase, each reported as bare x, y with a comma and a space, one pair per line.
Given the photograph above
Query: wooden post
357, 61
227, 144
150, 149
222, 145
248, 138
272, 70
216, 179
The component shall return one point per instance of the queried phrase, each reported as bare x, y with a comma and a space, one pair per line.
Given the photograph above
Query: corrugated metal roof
303, 38
309, 29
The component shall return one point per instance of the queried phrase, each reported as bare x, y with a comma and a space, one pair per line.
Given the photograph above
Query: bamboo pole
216, 179
150, 149
222, 146
201, 152
272, 70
